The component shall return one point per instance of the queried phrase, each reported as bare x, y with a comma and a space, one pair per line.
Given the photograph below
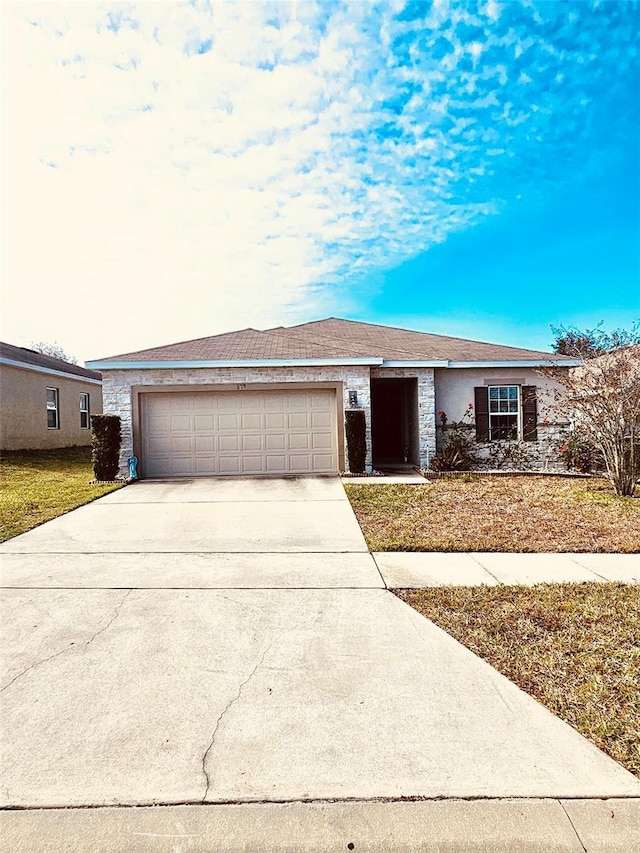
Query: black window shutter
529, 413
482, 413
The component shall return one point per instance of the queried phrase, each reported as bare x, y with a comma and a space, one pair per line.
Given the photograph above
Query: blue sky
180, 169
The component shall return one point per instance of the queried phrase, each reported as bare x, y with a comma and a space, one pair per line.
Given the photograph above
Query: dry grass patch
537, 514
574, 647
38, 485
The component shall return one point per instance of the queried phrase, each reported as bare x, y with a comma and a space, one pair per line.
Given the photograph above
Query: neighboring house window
84, 411
503, 412
53, 414
506, 412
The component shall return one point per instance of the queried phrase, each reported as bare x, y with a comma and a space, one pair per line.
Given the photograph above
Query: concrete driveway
232, 641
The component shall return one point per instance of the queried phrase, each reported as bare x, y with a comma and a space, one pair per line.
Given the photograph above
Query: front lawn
574, 647
38, 485
538, 514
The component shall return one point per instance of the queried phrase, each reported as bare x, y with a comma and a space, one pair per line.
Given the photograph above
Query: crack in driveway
223, 713
70, 647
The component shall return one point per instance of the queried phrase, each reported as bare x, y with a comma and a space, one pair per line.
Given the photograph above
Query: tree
54, 350
602, 397
590, 343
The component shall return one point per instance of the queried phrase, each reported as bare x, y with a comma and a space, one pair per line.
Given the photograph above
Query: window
503, 412
84, 411
53, 414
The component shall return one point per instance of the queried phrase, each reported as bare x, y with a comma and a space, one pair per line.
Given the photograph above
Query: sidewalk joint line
485, 569
586, 568
572, 825
329, 800
382, 577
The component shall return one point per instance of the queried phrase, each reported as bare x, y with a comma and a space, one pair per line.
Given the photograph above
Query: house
45, 402
273, 401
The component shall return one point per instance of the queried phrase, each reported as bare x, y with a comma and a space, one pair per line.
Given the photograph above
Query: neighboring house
45, 402
272, 402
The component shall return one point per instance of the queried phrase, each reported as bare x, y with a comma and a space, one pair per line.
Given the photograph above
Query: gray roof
38, 359
332, 339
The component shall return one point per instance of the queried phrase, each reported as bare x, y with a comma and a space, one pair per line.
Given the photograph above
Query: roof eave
49, 371
411, 362
540, 362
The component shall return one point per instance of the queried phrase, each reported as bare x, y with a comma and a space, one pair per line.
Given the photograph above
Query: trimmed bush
105, 446
356, 439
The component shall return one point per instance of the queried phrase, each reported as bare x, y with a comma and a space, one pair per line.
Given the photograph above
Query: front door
391, 422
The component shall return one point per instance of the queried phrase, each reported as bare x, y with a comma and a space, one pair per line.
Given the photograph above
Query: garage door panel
321, 460
228, 465
205, 443
321, 420
158, 425
252, 464
182, 466
300, 463
204, 423
181, 423
275, 464
206, 464
299, 441
251, 421
298, 420
298, 402
275, 441
229, 443
251, 443
321, 441
205, 403
249, 432
274, 420
229, 422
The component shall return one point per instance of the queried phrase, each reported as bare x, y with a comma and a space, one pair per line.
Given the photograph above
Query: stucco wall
119, 385
23, 409
454, 389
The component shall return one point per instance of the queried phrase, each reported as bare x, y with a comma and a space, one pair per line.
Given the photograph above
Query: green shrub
356, 440
457, 452
105, 446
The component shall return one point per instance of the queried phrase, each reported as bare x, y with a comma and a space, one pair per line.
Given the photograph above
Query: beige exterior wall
455, 390
122, 390
23, 409
454, 387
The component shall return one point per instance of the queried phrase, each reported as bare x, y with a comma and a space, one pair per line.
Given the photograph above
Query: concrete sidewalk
408, 569
480, 826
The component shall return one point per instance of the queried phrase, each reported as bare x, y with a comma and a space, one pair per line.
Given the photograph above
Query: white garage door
239, 432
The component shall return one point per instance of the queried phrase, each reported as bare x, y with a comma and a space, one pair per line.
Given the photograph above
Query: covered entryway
394, 421
200, 433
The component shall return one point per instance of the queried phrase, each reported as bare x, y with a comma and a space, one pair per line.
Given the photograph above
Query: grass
38, 485
574, 647
535, 514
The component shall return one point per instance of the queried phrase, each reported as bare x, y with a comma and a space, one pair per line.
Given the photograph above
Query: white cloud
176, 169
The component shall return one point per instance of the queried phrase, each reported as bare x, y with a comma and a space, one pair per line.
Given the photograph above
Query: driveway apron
228, 641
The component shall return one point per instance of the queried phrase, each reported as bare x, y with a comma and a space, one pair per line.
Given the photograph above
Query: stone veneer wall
117, 384
541, 455
426, 404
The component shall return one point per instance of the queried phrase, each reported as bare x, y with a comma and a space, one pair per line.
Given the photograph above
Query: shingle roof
38, 359
332, 339
397, 344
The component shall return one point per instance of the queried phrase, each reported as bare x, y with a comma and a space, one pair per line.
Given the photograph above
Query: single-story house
272, 402
45, 402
